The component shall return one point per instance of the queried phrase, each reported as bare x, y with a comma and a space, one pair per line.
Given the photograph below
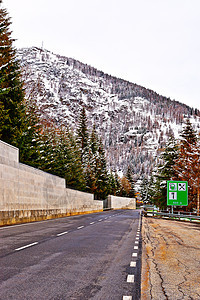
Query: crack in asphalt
165, 251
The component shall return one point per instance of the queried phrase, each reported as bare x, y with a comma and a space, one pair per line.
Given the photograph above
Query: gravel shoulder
170, 260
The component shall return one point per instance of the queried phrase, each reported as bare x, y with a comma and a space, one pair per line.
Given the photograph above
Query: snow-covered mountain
134, 122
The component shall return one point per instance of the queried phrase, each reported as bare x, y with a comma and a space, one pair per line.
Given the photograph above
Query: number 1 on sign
172, 196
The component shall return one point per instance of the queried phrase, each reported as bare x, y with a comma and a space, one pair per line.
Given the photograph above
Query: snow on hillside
134, 122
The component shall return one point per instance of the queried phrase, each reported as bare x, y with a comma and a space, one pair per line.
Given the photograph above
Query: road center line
59, 234
80, 227
29, 245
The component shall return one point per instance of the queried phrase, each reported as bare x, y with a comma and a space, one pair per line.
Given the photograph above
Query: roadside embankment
170, 260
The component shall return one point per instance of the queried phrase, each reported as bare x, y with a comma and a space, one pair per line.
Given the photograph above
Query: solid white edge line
59, 234
26, 246
130, 278
80, 227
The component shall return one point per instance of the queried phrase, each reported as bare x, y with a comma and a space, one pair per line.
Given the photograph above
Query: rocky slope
134, 122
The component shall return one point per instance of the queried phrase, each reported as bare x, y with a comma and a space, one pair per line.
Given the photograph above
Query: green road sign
177, 193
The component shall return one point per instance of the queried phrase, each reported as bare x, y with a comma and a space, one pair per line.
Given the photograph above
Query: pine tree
118, 184
112, 184
12, 115
82, 136
184, 163
101, 174
30, 141
164, 172
68, 160
90, 170
195, 174
144, 190
129, 176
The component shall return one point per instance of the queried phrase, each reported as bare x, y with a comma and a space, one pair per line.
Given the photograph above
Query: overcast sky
154, 43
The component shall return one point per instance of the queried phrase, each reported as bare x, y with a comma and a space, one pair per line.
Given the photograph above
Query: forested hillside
134, 122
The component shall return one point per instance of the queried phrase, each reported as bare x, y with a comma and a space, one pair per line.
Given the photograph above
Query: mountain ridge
134, 122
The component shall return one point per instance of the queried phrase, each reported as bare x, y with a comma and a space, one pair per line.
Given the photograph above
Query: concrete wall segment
8, 152
29, 194
115, 202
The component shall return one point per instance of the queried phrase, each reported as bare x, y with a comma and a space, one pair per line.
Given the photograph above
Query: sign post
177, 193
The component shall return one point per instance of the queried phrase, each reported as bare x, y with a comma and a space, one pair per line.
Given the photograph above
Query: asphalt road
81, 257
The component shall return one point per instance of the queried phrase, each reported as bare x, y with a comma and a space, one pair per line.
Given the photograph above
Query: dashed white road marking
137, 238
130, 278
29, 245
127, 298
62, 233
80, 227
136, 242
134, 254
100, 220
135, 247
91, 223
133, 264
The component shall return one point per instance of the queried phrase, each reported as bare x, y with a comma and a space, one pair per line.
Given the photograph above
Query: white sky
154, 43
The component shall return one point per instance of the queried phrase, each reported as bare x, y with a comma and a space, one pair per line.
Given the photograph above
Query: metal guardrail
174, 216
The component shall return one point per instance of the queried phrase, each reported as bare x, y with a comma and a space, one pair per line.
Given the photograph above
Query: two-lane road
95, 256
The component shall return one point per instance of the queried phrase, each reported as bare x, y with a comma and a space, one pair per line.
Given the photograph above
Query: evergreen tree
112, 184
94, 141
82, 136
188, 135
184, 166
30, 141
129, 176
195, 175
90, 173
90, 170
144, 190
12, 115
68, 160
118, 184
164, 172
102, 178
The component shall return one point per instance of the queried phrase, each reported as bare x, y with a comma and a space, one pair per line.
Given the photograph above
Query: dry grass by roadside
170, 260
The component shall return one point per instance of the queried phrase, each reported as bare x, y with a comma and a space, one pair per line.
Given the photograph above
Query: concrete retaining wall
28, 194
115, 202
